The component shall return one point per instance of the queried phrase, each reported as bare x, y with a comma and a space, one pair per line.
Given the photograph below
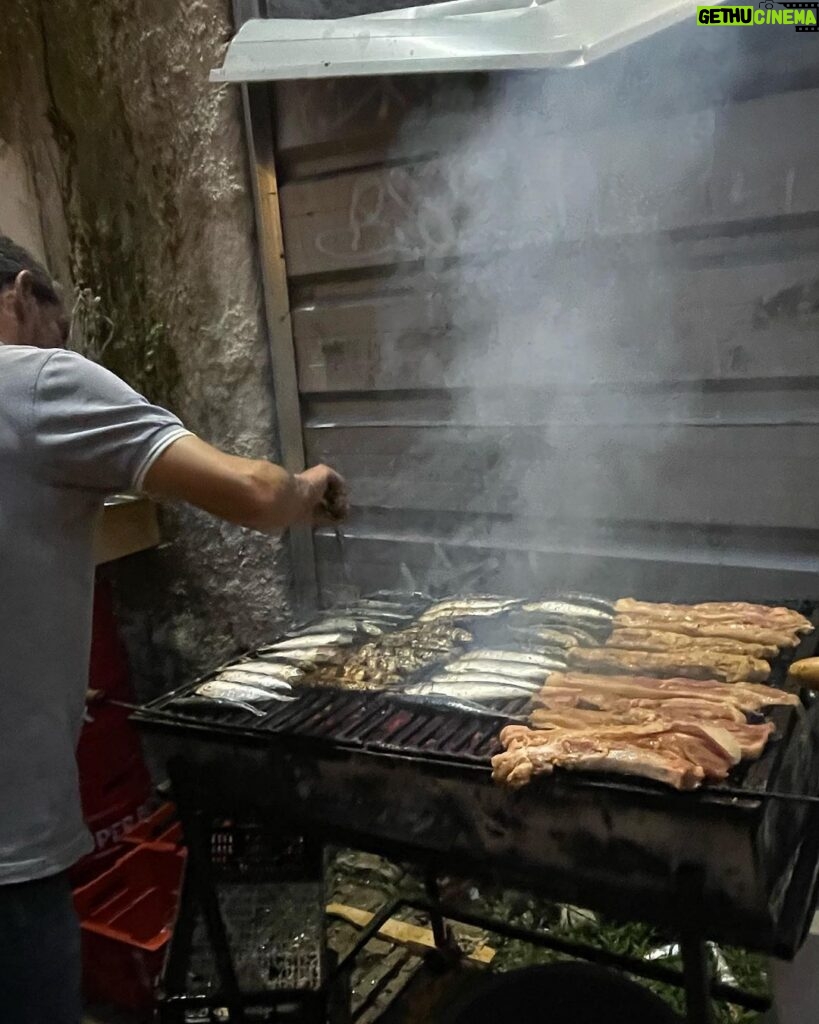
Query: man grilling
70, 434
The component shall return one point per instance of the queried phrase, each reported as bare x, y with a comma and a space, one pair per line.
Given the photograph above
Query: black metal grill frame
362, 748
329, 719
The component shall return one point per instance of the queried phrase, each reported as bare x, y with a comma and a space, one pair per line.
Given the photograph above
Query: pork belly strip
751, 739
707, 741
709, 750
568, 700
662, 640
585, 751
778, 637
719, 611
728, 668
706, 709
743, 695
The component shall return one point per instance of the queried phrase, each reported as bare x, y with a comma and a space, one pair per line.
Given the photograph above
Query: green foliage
142, 355
634, 939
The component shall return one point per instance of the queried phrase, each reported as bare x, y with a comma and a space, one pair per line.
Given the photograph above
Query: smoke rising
541, 216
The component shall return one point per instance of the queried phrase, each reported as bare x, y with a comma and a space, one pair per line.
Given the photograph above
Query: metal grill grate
370, 720
361, 720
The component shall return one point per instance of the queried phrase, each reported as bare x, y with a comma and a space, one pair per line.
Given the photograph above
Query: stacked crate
127, 915
115, 785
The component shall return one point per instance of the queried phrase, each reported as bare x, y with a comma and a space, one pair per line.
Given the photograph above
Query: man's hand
326, 496
250, 492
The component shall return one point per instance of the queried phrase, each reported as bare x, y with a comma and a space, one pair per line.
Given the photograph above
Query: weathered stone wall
19, 215
140, 170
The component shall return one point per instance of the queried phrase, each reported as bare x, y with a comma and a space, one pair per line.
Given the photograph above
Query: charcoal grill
356, 768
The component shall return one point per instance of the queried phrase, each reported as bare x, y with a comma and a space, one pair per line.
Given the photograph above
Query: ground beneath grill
393, 985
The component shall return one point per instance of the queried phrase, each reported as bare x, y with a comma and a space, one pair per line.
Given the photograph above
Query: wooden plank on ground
414, 937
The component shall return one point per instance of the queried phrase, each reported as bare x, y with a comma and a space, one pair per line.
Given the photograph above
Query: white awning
461, 35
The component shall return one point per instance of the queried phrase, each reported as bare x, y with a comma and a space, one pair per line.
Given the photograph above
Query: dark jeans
39, 954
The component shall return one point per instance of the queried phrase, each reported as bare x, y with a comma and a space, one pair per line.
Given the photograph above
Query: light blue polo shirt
70, 434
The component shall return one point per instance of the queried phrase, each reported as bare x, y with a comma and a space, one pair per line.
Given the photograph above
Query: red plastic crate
114, 782
95, 864
163, 826
109, 758
108, 668
127, 917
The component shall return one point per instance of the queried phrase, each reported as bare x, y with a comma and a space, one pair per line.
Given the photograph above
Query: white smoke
541, 210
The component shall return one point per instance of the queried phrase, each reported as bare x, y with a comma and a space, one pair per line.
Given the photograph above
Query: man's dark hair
13, 259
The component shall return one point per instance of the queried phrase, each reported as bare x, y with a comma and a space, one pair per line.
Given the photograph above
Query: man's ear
25, 305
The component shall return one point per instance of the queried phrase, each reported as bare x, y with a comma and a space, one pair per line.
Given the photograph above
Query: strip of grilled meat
748, 633
728, 668
654, 751
585, 689
661, 640
751, 738
719, 611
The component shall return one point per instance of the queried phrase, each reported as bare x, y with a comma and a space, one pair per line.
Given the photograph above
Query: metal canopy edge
461, 35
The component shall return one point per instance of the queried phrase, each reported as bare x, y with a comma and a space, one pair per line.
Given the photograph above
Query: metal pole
697, 979
440, 932
257, 105
259, 130
697, 974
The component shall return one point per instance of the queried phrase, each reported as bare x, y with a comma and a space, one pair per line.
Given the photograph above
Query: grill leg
197, 840
697, 977
696, 961
440, 932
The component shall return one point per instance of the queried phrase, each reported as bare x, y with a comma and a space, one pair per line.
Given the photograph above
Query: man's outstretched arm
252, 493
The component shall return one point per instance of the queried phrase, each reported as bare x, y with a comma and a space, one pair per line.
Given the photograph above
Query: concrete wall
138, 167
19, 216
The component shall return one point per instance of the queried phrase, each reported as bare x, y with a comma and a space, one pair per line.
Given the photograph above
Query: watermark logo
803, 16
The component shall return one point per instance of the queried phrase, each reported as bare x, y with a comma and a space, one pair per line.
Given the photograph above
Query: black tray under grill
354, 765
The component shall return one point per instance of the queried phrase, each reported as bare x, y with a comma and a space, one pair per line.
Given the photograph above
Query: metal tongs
334, 503
335, 508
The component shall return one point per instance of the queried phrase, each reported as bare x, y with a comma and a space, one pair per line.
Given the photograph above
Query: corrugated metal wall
564, 329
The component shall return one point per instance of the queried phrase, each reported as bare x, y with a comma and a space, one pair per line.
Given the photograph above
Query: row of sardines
472, 649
